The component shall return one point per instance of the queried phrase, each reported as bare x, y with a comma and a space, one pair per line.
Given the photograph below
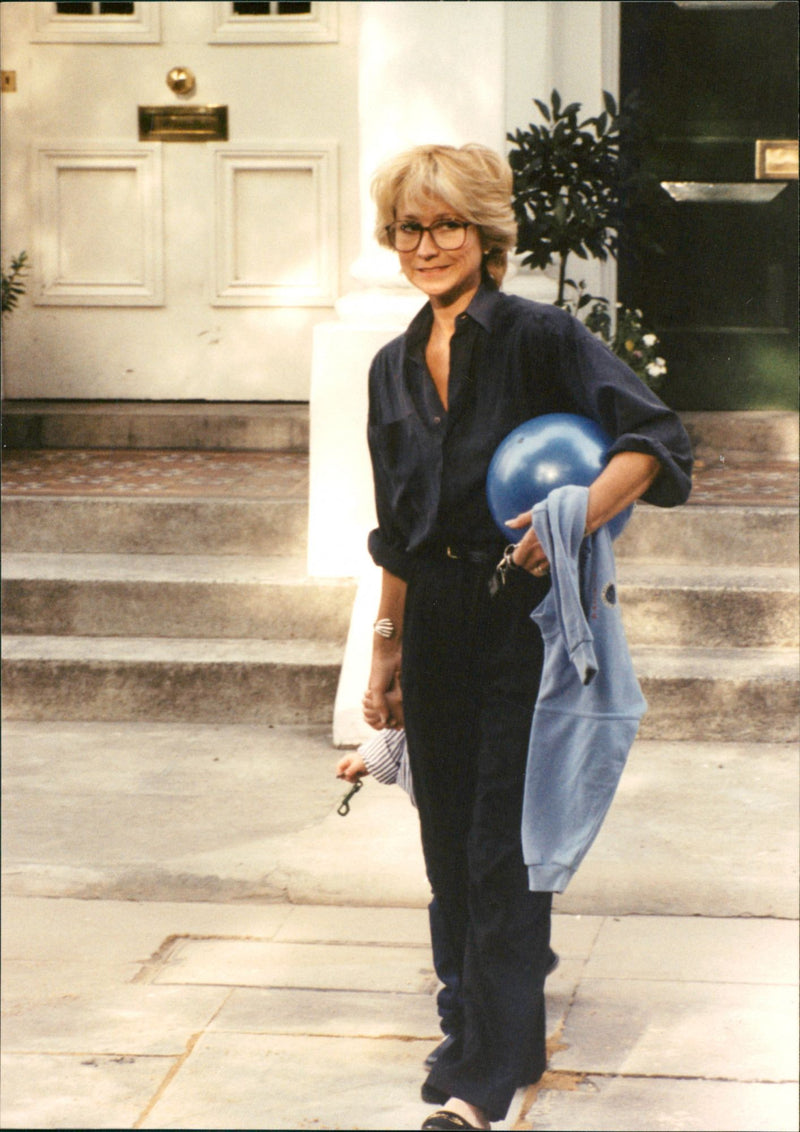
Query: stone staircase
160, 606
163, 606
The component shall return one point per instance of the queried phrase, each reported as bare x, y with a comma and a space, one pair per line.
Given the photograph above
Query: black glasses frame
431, 229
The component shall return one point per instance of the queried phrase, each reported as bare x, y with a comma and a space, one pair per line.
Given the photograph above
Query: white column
428, 72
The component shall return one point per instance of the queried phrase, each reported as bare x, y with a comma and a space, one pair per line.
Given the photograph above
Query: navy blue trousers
471, 670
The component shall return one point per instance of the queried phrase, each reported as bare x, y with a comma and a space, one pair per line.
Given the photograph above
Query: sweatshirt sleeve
559, 521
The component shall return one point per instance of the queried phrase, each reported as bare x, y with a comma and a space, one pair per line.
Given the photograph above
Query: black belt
478, 555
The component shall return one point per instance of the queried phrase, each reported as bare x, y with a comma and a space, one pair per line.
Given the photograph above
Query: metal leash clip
504, 567
344, 805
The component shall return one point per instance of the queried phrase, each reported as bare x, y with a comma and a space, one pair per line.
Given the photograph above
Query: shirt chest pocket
410, 456
404, 446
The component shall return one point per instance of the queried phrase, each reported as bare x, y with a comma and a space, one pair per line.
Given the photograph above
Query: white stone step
229, 596
96, 525
203, 426
167, 679
709, 606
739, 536
725, 694
172, 596
697, 694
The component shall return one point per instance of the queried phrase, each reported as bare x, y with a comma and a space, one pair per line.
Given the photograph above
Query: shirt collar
481, 309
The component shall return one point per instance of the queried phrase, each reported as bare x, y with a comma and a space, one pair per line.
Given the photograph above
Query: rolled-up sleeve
387, 543
638, 420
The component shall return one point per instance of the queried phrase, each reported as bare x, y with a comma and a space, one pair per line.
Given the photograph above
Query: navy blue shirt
510, 360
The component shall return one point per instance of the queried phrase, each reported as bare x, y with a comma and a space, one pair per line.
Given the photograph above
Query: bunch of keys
504, 567
344, 805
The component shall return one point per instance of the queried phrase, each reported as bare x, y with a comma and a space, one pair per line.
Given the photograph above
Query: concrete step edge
170, 650
212, 569
715, 664
204, 426
291, 570
747, 435
633, 574
650, 661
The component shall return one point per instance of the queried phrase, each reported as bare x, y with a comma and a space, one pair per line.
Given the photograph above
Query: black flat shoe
445, 1119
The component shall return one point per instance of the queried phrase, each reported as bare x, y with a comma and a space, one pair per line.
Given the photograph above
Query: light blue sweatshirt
589, 704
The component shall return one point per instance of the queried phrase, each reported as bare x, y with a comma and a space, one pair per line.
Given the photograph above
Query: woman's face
444, 276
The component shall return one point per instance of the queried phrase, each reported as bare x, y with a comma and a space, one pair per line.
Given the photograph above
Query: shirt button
437, 420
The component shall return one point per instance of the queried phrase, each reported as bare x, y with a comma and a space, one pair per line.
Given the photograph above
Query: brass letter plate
183, 123
776, 160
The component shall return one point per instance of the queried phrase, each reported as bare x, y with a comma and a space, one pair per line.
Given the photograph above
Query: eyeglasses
448, 235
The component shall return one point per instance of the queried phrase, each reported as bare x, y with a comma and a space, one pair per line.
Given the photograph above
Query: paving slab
258, 963
646, 1104
694, 949
68, 1091
330, 1013
263, 1081
323, 924
731, 1031
127, 1020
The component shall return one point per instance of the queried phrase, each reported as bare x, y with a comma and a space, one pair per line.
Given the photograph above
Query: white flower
655, 370
649, 340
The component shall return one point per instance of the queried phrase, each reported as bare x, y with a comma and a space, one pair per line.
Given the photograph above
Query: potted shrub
568, 188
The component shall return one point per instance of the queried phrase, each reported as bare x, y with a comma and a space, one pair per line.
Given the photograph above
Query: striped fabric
386, 759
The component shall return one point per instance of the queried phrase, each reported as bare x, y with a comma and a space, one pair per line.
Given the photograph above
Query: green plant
13, 284
569, 185
625, 334
566, 185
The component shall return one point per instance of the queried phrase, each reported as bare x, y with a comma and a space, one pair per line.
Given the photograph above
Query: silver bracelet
385, 627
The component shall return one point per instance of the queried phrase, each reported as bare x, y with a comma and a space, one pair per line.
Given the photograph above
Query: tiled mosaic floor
285, 475
125, 472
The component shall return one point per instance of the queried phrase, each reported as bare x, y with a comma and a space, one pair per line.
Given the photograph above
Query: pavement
194, 938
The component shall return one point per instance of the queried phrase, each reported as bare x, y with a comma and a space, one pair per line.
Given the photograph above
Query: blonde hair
474, 180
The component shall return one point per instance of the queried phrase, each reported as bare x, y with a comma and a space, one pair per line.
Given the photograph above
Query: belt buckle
450, 553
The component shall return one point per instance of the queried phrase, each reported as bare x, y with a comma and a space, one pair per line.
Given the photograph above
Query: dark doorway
711, 259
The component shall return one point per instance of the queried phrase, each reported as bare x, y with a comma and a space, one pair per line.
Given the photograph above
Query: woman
458, 668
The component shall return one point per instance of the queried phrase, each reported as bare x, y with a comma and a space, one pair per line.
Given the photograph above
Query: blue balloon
540, 455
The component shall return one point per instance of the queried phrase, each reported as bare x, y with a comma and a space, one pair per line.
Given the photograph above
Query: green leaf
610, 103
544, 108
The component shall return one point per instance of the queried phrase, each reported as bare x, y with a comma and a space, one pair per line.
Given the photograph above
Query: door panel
177, 269
711, 258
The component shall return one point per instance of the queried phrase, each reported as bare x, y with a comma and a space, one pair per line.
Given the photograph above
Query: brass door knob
181, 80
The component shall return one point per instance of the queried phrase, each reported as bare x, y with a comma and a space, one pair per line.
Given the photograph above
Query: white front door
176, 269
